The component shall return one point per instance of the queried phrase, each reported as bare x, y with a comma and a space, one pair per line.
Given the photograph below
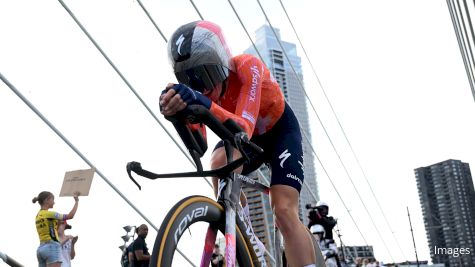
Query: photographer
319, 215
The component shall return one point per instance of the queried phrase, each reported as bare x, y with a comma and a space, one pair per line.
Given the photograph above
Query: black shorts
282, 150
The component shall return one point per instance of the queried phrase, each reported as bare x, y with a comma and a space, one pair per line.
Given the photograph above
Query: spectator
217, 259
130, 255
327, 246
67, 244
49, 251
127, 258
319, 215
141, 254
358, 262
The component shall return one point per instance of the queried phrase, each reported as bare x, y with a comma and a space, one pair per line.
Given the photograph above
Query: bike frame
230, 183
228, 196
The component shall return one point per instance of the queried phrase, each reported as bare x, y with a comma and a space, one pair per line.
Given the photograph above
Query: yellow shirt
47, 225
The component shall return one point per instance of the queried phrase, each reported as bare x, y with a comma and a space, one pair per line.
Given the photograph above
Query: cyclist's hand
190, 96
170, 101
177, 96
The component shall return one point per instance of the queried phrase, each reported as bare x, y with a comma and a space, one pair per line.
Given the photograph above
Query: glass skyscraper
274, 58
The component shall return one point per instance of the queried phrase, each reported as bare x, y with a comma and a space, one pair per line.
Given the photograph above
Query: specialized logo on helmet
179, 42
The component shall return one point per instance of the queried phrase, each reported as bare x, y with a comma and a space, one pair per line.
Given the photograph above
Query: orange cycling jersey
253, 98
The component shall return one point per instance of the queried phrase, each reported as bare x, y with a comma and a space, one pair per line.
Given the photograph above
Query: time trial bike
224, 215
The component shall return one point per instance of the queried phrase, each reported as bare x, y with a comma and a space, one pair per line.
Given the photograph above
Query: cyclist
241, 88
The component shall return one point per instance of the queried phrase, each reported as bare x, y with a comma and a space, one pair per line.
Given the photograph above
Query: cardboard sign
79, 181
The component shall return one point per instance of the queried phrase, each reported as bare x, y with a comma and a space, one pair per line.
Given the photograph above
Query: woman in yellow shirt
49, 251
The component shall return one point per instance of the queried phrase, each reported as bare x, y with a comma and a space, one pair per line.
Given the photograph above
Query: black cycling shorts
282, 151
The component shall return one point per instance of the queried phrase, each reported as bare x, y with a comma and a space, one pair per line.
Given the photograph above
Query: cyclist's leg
298, 245
218, 159
286, 160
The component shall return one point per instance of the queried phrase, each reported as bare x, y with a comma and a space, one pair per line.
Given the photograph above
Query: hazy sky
391, 69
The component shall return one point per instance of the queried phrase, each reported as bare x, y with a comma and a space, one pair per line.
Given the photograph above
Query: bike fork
209, 246
230, 235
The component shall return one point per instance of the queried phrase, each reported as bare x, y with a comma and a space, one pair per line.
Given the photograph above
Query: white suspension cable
127, 83
247, 33
151, 19
343, 165
461, 42
57, 132
341, 127
305, 184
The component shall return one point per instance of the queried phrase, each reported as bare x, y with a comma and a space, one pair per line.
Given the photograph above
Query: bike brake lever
134, 166
238, 138
252, 145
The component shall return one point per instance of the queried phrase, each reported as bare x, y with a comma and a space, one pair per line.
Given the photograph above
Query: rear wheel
191, 211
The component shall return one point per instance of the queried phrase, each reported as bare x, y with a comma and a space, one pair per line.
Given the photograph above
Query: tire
185, 213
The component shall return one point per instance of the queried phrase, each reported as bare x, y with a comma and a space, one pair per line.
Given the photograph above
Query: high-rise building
274, 58
447, 197
354, 252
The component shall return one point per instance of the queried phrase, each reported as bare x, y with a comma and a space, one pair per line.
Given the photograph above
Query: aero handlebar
228, 131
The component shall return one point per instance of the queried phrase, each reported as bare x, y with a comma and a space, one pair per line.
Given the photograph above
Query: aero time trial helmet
199, 55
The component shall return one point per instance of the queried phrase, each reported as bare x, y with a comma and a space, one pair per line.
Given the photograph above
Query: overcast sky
391, 69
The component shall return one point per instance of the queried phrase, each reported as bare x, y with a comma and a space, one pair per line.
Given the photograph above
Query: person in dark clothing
319, 215
130, 255
217, 259
141, 254
127, 258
